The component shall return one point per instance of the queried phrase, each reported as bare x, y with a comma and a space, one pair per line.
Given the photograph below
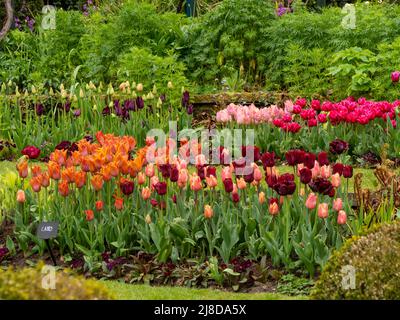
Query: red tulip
31, 152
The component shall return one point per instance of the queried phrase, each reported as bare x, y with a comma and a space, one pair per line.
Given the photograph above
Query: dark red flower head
31, 152
285, 185
323, 159
322, 186
211, 171
305, 175
174, 174
309, 160
337, 168
235, 197
228, 185
251, 151
268, 159
126, 186
161, 188
294, 157
338, 146
347, 171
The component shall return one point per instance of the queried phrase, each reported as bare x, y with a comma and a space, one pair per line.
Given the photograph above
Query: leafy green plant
290, 284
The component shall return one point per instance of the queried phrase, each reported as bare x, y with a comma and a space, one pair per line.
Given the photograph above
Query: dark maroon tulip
224, 159
322, 186
271, 180
268, 159
228, 185
77, 113
305, 175
273, 200
63, 145
235, 197
126, 187
185, 99
174, 174
129, 105
106, 111
161, 188
201, 172
249, 178
323, 159
294, 157
165, 170
39, 108
347, 171
67, 106
338, 146
309, 160
247, 151
285, 184
31, 152
337, 168
139, 103
211, 171
174, 198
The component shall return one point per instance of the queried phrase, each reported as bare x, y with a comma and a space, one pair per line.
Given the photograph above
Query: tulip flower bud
208, 212
323, 210
148, 219
21, 196
33, 90
342, 217
337, 204
273, 208
261, 197
17, 94
81, 93
139, 87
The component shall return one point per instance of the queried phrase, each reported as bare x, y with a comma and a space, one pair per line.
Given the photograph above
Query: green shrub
376, 259
110, 35
26, 284
141, 66
228, 39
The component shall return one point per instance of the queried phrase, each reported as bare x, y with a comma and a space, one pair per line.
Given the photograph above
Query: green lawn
123, 291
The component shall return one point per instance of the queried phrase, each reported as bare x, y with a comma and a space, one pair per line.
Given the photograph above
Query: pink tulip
325, 171
342, 217
149, 170
195, 182
311, 201
226, 173
336, 180
146, 193
257, 174
337, 204
323, 210
315, 170
395, 76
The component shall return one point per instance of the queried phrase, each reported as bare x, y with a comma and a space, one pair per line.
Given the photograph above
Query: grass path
123, 291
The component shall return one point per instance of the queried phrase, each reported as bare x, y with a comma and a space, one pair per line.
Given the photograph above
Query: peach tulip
146, 193
211, 181
141, 178
323, 210
336, 180
195, 182
311, 201
325, 171
21, 196
273, 208
261, 197
149, 170
342, 217
241, 184
208, 212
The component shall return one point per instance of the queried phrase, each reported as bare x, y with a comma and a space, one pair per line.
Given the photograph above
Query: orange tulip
89, 215
59, 156
68, 174
22, 168
124, 166
80, 179
208, 212
45, 180
63, 188
21, 196
273, 208
36, 183
114, 169
54, 170
97, 182
241, 184
141, 178
146, 193
119, 203
36, 170
211, 181
99, 205
106, 173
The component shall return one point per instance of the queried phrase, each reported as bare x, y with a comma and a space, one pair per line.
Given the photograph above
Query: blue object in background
190, 7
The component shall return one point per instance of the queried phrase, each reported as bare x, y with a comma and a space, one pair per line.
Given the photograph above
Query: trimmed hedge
375, 257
